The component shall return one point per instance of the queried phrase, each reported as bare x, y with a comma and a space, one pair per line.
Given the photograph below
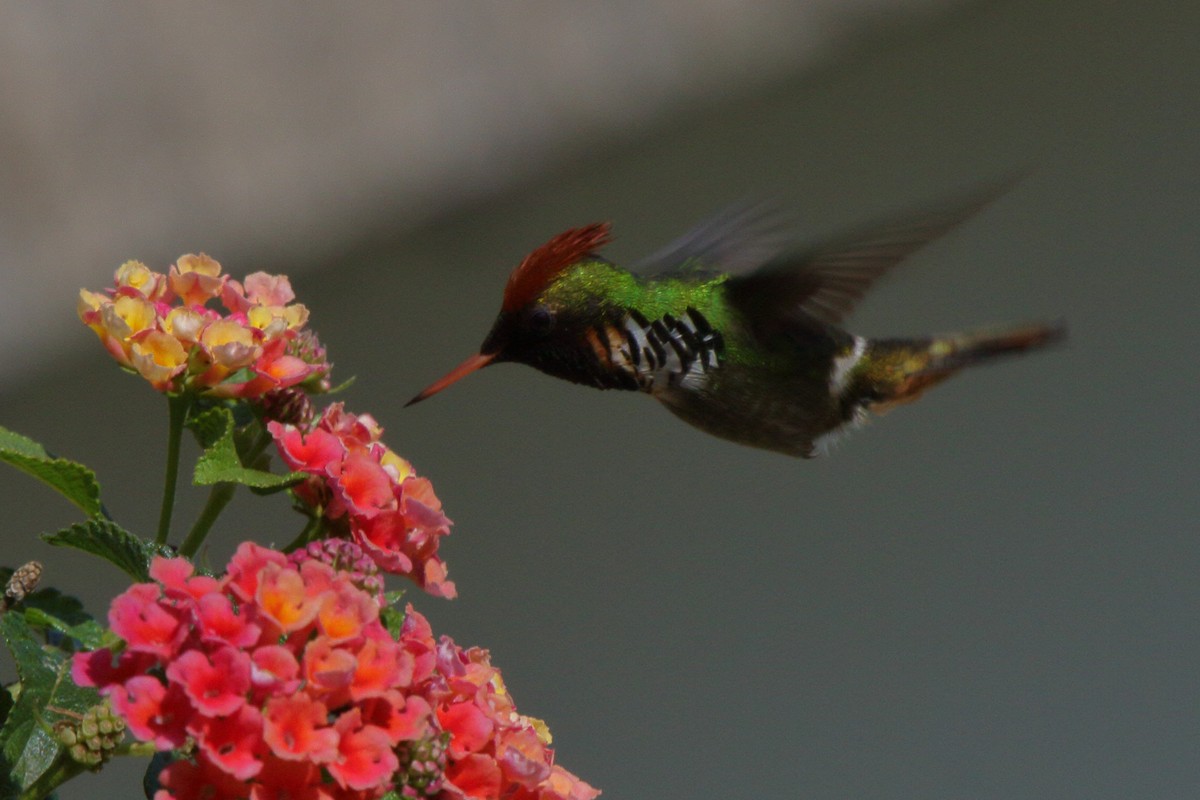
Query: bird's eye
541, 320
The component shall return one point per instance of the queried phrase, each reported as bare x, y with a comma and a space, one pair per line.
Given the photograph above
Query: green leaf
243, 375
343, 386
110, 541
393, 620
209, 425
73, 481
220, 462
28, 748
49, 609
90, 635
54, 604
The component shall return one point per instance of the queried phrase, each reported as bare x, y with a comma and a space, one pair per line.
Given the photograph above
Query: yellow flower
158, 357
136, 275
230, 344
196, 279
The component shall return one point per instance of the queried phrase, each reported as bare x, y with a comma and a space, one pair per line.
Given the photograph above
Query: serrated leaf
27, 748
220, 463
209, 425
73, 481
113, 543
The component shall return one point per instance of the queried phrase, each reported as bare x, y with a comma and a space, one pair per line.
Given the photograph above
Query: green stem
51, 779
178, 404
307, 535
261, 441
138, 749
218, 497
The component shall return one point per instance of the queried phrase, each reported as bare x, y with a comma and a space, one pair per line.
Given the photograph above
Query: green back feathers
599, 282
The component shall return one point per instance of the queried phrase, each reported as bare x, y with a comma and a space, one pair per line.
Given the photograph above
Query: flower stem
178, 404
307, 535
218, 497
256, 449
138, 749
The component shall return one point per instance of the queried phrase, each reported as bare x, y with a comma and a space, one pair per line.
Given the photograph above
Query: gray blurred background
991, 594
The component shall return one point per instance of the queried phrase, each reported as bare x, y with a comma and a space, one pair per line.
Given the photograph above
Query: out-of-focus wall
990, 594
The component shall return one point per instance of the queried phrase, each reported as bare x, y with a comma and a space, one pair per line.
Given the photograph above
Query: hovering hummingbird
733, 327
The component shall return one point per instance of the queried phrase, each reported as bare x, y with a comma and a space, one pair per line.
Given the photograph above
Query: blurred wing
825, 282
739, 239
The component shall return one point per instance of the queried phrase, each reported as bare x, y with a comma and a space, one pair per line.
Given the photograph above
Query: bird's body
733, 329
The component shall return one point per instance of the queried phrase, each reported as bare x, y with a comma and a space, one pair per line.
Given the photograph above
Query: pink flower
200, 780
346, 612
402, 718
311, 452
244, 567
220, 621
329, 670
469, 727
369, 494
274, 670
270, 290
109, 671
286, 679
145, 624
365, 758
177, 579
562, 785
283, 598
154, 713
475, 776
362, 485
382, 664
294, 728
287, 780
217, 683
233, 743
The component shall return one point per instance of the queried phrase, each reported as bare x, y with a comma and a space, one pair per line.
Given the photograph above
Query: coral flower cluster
162, 327
365, 492
279, 679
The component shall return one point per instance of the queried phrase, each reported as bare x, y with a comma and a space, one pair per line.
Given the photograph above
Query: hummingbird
735, 327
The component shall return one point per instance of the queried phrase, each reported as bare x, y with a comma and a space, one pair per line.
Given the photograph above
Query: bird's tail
898, 371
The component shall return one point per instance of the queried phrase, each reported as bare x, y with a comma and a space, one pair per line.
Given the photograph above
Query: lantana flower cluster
162, 326
367, 493
280, 680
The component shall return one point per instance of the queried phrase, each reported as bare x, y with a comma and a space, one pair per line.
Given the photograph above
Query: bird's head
535, 326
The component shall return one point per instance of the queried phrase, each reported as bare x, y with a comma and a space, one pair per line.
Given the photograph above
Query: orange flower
283, 598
